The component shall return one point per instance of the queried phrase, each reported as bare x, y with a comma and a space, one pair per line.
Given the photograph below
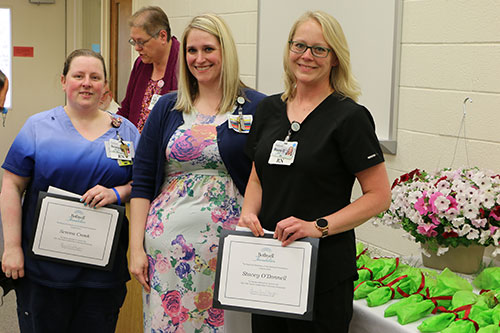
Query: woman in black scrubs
308, 146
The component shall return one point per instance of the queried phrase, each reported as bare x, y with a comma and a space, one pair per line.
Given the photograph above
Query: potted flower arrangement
447, 208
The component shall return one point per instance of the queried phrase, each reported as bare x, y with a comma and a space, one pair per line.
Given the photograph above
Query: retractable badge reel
283, 152
240, 122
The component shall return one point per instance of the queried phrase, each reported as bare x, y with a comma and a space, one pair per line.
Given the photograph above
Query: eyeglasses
301, 48
141, 43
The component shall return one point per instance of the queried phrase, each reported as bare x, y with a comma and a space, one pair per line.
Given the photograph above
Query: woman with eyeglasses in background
155, 70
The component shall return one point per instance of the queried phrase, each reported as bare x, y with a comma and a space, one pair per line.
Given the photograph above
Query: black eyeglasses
317, 51
141, 43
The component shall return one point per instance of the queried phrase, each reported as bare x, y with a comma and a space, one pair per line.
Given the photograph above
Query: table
372, 320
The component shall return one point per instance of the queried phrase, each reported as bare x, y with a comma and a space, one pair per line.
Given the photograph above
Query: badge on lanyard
154, 99
283, 152
120, 150
240, 122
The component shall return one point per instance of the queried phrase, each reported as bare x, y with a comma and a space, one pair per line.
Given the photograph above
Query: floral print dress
198, 200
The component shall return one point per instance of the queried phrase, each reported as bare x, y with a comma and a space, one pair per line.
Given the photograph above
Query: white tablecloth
372, 320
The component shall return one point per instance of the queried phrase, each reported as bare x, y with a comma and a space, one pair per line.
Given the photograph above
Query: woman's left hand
292, 228
98, 196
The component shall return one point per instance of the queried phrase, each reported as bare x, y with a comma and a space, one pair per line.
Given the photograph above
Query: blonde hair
230, 82
342, 79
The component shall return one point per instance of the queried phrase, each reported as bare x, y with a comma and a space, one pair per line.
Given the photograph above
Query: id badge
115, 151
154, 99
283, 152
240, 123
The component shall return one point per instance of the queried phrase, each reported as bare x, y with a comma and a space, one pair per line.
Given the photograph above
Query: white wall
35, 81
450, 51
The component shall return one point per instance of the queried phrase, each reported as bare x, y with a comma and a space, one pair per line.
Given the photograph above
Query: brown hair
83, 53
151, 19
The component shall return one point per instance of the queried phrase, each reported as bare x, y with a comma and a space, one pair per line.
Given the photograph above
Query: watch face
322, 223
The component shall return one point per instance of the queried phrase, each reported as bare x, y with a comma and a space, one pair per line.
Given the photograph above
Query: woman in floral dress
190, 173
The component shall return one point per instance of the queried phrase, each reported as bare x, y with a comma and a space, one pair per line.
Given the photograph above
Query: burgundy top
138, 82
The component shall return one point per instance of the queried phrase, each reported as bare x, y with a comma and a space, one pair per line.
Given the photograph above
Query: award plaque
67, 231
259, 275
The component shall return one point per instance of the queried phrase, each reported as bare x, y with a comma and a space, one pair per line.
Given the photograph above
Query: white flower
441, 251
464, 230
485, 234
473, 234
478, 223
461, 199
442, 186
425, 252
487, 199
496, 252
495, 237
442, 203
470, 211
458, 222
451, 213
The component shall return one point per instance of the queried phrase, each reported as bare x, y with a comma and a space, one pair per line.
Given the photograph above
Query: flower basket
446, 209
459, 259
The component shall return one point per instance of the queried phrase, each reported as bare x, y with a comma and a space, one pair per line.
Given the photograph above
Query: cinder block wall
450, 50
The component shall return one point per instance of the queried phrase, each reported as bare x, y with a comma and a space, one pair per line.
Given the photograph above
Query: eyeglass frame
291, 42
141, 44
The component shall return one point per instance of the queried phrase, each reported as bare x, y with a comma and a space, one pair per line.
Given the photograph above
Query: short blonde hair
341, 77
230, 82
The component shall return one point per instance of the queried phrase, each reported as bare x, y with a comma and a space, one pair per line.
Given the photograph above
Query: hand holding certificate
259, 275
67, 231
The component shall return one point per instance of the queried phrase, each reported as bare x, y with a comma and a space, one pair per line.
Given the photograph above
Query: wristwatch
322, 225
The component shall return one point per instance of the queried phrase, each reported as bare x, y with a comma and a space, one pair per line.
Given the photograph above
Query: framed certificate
258, 275
66, 231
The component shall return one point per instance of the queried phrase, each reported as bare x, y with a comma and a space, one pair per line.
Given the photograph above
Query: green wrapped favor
489, 329
365, 288
391, 309
482, 318
449, 280
385, 293
379, 296
414, 311
496, 314
362, 260
460, 326
488, 279
364, 275
437, 323
463, 297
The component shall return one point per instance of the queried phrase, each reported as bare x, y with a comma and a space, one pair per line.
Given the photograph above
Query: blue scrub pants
43, 309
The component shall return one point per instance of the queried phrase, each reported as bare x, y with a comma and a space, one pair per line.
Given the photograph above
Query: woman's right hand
138, 266
252, 222
13, 262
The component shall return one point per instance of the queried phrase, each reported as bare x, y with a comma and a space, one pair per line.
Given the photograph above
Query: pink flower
162, 264
495, 213
215, 317
187, 147
427, 230
421, 206
493, 229
435, 219
171, 303
218, 215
